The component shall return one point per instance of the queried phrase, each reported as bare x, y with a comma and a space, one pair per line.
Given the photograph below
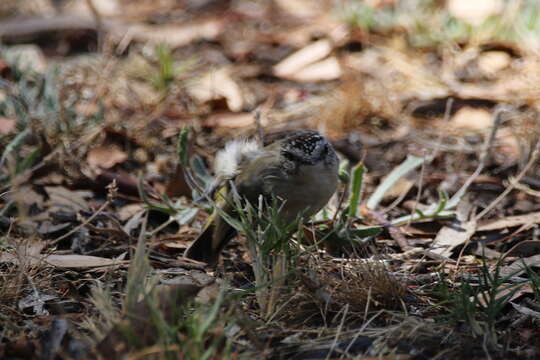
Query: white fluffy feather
228, 160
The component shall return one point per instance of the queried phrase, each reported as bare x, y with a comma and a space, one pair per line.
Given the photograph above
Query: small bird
301, 168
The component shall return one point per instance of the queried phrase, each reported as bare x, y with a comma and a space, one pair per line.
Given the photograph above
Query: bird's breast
307, 190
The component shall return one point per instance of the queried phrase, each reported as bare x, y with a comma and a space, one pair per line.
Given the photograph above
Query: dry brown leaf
492, 62
7, 125
27, 196
177, 35
60, 196
520, 290
325, 70
105, 156
81, 261
474, 12
128, 211
458, 233
526, 311
24, 252
525, 248
228, 120
300, 59
470, 118
301, 8
451, 236
31, 255
218, 85
518, 267
103, 7
510, 221
402, 186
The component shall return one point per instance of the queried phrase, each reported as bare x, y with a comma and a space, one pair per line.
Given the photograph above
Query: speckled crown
306, 147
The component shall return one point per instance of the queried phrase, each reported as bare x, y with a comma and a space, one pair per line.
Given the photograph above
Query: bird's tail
208, 245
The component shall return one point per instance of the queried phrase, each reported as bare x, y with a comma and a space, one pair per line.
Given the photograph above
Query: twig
513, 182
526, 189
99, 23
84, 223
497, 118
395, 232
258, 126
446, 118
338, 332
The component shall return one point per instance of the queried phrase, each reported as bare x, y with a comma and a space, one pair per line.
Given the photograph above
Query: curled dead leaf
177, 35
300, 59
492, 62
231, 120
7, 125
474, 12
218, 85
105, 156
326, 70
470, 118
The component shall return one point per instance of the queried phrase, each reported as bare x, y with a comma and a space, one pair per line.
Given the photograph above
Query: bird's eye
325, 150
289, 156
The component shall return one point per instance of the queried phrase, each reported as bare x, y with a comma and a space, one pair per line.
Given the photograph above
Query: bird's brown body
300, 168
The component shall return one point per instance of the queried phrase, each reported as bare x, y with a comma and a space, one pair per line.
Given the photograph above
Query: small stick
513, 183
258, 126
497, 118
84, 223
395, 232
99, 22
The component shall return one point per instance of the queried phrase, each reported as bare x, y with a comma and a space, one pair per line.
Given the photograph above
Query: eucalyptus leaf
411, 163
185, 216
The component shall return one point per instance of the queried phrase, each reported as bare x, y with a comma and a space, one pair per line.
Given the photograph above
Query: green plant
161, 321
477, 305
168, 69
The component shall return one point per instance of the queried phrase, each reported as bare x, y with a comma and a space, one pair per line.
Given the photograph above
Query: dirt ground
112, 112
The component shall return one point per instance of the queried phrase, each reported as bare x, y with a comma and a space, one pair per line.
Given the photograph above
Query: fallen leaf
510, 221
325, 70
300, 8
526, 311
27, 196
229, 120
75, 261
128, 211
23, 253
7, 125
492, 62
518, 267
518, 290
300, 59
36, 300
474, 12
177, 35
218, 85
59, 196
402, 186
470, 118
33, 257
105, 156
103, 7
458, 233
525, 249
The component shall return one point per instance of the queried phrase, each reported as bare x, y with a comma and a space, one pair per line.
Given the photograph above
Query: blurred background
98, 91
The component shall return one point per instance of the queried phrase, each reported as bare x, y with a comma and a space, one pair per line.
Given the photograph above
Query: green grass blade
356, 189
183, 146
411, 163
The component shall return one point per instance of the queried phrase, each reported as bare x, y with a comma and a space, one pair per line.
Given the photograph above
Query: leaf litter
444, 252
